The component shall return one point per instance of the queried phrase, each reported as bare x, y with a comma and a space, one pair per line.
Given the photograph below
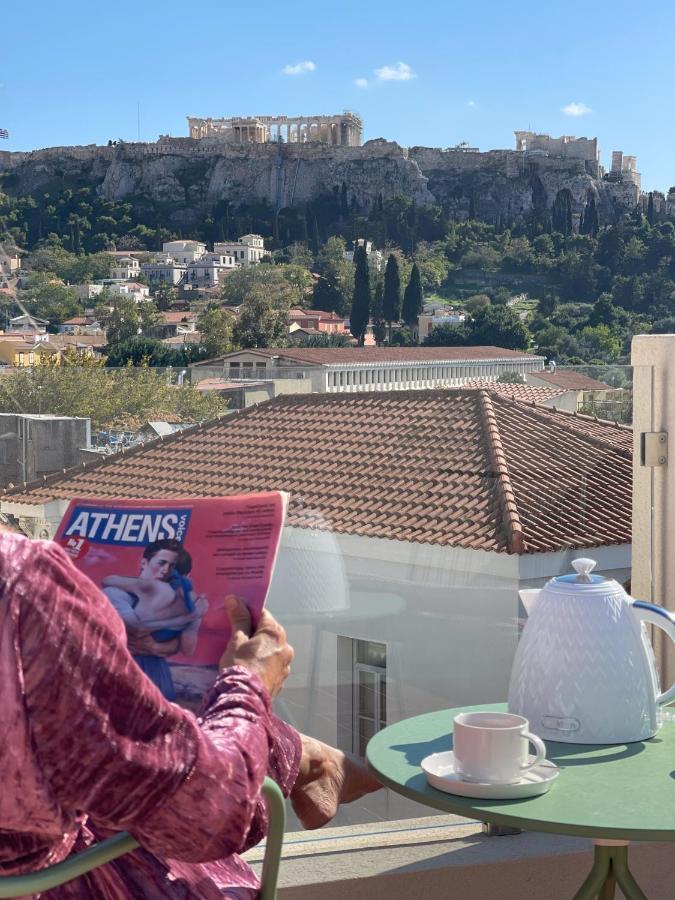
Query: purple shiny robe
88, 746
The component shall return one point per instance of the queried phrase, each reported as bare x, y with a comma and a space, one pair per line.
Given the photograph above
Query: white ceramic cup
492, 747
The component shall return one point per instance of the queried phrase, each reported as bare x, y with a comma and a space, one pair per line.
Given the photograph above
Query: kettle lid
583, 568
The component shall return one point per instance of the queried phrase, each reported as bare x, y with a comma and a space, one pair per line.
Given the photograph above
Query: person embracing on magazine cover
158, 609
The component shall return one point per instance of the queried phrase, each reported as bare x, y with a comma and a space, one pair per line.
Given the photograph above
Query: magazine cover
166, 567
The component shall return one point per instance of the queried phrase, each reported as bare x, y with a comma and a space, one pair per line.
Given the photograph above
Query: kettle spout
529, 598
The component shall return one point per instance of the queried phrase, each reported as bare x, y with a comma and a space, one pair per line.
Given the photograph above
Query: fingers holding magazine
266, 653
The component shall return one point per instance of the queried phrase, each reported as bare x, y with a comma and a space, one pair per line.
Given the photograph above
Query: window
362, 698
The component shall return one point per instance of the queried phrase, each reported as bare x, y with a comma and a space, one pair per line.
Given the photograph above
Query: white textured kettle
584, 671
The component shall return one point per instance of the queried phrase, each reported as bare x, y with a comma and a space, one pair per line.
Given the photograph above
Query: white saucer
440, 771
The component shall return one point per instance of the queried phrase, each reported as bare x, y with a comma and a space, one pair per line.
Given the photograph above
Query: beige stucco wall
653, 359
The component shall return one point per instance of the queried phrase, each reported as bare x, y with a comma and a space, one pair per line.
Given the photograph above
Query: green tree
391, 301
263, 320
651, 217
123, 318
139, 350
125, 397
164, 296
413, 300
49, 299
589, 217
215, 327
379, 322
446, 335
604, 312
511, 378
561, 213
326, 295
498, 326
599, 343
360, 311
288, 283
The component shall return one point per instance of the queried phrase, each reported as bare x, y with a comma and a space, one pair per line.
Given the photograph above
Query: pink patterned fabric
88, 746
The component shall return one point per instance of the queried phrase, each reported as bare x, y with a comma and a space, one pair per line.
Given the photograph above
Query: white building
355, 369
27, 324
9, 265
184, 251
88, 291
247, 251
374, 256
126, 268
133, 289
164, 269
209, 269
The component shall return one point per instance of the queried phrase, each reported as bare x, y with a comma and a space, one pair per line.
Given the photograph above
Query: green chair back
116, 846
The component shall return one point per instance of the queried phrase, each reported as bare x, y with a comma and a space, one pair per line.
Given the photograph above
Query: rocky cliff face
192, 176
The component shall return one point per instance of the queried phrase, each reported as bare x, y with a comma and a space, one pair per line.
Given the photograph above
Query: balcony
391, 618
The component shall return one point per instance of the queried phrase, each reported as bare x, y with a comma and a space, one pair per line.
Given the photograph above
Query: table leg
610, 868
624, 877
598, 876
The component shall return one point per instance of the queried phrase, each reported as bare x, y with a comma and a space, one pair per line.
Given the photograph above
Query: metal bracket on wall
654, 448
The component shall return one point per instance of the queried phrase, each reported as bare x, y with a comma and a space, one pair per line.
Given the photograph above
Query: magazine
166, 567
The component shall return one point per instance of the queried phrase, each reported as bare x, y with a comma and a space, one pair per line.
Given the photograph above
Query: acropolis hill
289, 161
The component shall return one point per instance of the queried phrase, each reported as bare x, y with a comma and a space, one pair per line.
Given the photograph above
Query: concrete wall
32, 446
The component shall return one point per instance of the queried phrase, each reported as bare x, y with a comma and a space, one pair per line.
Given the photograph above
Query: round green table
611, 793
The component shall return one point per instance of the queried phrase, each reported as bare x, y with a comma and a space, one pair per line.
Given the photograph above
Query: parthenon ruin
340, 131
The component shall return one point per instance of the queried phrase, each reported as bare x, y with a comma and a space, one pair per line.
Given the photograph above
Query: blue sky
437, 73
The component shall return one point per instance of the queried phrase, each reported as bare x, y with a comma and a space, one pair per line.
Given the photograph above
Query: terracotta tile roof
454, 468
177, 318
349, 355
573, 381
528, 393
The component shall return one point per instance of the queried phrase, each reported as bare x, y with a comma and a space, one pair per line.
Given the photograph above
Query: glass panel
367, 692
371, 653
366, 731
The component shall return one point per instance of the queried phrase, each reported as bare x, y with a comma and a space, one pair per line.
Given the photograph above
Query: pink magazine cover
166, 567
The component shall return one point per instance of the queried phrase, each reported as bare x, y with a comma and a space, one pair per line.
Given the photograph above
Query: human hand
266, 653
201, 605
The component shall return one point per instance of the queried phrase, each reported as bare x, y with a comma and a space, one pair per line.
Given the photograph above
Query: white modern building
209, 269
355, 369
247, 251
133, 289
126, 268
184, 251
164, 269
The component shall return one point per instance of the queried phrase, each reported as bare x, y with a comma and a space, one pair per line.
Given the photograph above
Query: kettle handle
652, 614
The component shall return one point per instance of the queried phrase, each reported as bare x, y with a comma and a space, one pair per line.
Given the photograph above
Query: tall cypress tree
360, 313
379, 324
591, 217
650, 208
344, 201
391, 302
413, 299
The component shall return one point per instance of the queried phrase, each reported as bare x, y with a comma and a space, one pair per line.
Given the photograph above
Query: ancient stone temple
339, 131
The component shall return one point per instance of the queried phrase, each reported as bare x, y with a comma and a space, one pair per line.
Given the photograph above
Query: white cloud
400, 71
301, 68
361, 82
471, 103
576, 109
